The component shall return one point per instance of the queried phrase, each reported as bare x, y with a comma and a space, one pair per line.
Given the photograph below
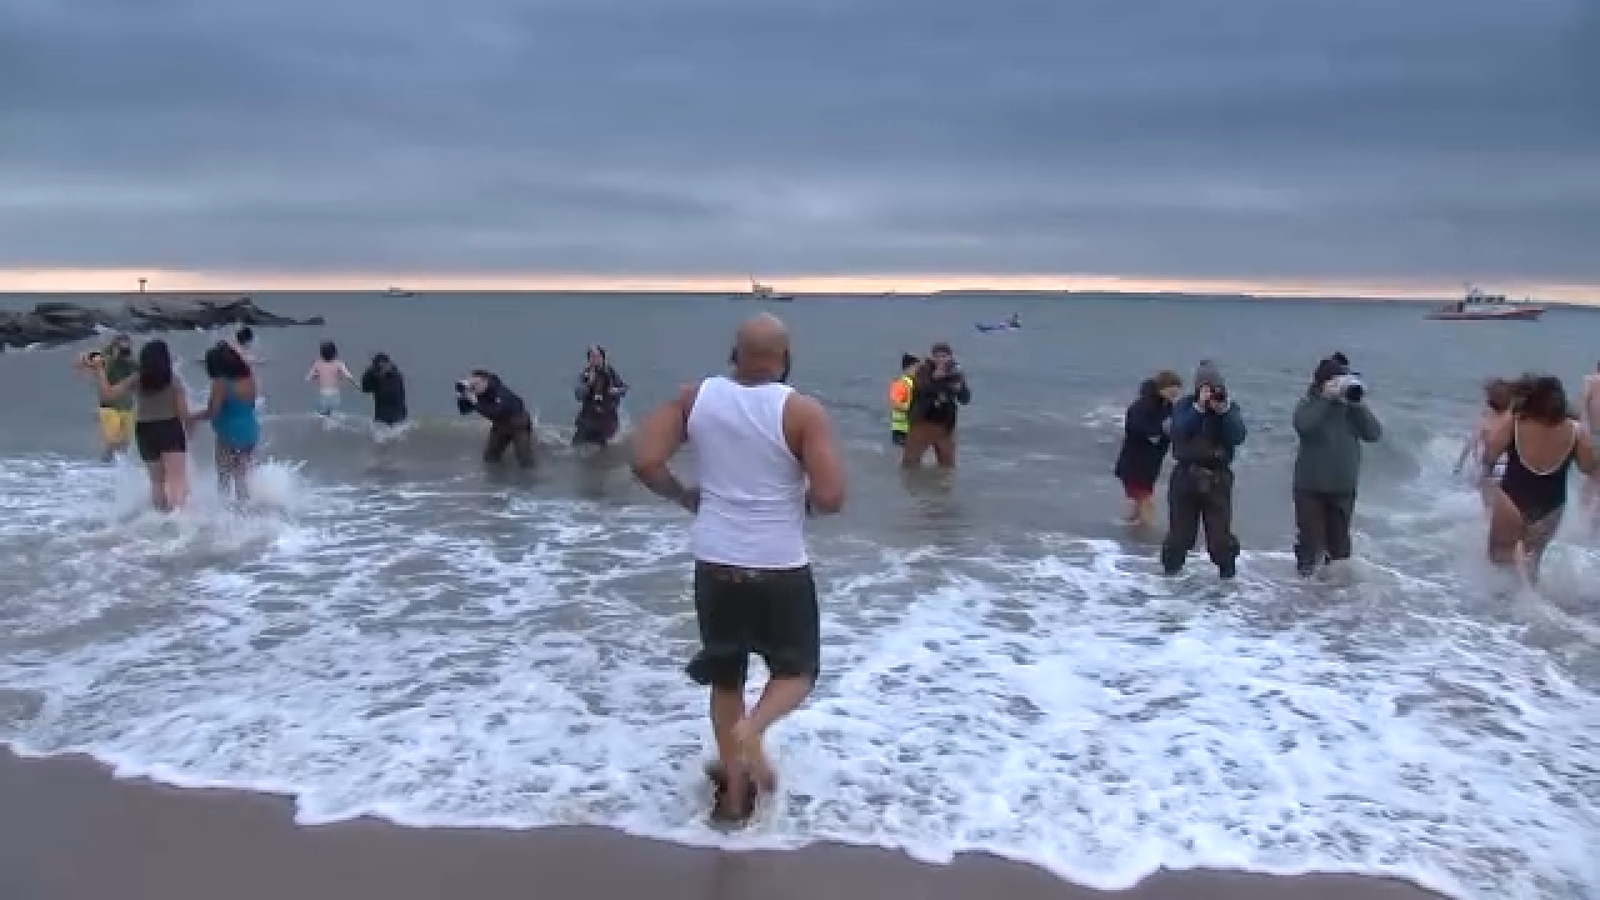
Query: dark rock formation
57, 322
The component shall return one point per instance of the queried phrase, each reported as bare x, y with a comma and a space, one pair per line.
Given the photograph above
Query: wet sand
69, 831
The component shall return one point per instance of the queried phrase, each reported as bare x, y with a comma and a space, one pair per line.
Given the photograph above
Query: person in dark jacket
383, 381
510, 425
1332, 421
599, 393
1145, 442
939, 389
1207, 427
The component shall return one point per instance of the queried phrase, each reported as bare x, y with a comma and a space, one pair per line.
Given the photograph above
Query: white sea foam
1059, 703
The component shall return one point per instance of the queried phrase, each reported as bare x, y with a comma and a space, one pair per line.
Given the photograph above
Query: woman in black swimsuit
1540, 442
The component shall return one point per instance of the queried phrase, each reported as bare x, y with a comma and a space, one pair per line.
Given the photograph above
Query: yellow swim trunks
116, 425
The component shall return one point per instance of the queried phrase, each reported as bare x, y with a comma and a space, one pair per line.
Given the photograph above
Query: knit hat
1208, 373
1326, 370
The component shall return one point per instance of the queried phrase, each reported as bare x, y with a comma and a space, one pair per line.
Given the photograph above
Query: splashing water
442, 653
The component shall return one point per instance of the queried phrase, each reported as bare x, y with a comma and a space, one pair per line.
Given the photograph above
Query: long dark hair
224, 362
1543, 399
155, 367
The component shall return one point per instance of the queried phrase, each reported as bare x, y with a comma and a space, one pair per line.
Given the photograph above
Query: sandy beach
69, 831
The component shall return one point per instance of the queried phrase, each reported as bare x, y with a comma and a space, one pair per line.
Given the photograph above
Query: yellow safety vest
900, 403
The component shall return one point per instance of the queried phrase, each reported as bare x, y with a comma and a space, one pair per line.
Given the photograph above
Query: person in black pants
510, 425
1207, 427
1332, 421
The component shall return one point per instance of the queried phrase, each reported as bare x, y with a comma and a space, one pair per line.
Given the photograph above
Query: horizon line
77, 281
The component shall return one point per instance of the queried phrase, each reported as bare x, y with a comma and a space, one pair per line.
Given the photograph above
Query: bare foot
755, 758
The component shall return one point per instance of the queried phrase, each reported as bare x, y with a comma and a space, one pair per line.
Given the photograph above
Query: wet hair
908, 359
944, 348
485, 374
224, 362
1341, 359
1498, 394
155, 367
329, 351
244, 335
382, 359
1544, 400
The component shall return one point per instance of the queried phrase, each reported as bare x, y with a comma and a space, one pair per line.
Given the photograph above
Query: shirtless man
765, 457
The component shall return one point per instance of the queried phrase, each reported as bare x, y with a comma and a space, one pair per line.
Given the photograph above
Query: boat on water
764, 293
1012, 324
398, 292
1477, 306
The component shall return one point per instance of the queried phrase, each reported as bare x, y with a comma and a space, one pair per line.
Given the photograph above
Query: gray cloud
1222, 138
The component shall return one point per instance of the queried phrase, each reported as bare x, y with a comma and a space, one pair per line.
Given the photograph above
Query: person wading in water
765, 456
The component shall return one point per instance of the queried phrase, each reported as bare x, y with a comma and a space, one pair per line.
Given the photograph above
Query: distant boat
398, 292
1476, 306
1012, 324
763, 292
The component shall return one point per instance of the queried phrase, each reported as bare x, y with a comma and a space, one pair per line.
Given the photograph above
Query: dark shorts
898, 438
156, 439
769, 612
1133, 490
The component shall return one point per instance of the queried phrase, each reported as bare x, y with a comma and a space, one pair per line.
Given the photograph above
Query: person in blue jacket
1207, 427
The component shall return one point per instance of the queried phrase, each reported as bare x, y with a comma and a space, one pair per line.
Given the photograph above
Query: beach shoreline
69, 830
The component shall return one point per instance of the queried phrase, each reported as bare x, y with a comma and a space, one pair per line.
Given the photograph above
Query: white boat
763, 292
398, 292
1477, 306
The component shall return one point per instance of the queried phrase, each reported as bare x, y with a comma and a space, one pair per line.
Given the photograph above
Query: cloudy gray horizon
1262, 139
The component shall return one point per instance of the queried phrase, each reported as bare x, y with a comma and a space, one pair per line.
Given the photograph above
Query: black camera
463, 387
1219, 395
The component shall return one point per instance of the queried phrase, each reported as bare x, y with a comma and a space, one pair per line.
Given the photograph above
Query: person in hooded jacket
510, 424
383, 381
1332, 422
1145, 440
599, 393
1207, 429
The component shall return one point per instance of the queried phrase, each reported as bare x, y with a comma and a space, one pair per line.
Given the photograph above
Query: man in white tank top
765, 456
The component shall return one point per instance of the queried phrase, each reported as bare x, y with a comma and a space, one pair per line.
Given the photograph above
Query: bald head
762, 347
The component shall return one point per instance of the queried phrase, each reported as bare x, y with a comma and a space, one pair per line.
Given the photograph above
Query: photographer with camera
599, 393
1207, 427
939, 389
116, 413
510, 425
1332, 422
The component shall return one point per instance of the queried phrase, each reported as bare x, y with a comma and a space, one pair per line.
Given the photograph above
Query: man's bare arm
819, 456
1589, 385
657, 440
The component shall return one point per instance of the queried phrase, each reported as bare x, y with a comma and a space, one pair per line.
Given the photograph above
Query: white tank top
752, 489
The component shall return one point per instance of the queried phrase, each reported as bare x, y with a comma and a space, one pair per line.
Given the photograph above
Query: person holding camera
599, 393
116, 414
1207, 428
510, 425
1332, 422
383, 381
939, 389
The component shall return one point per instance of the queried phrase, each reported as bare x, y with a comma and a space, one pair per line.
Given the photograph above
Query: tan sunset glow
117, 280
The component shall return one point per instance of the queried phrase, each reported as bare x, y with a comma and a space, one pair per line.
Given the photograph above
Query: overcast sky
1438, 139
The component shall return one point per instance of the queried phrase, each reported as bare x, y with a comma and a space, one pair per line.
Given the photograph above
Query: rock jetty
57, 322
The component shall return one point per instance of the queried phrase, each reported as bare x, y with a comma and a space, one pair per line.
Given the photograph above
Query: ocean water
392, 630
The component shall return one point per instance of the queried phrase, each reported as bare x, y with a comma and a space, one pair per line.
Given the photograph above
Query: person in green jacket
1332, 422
